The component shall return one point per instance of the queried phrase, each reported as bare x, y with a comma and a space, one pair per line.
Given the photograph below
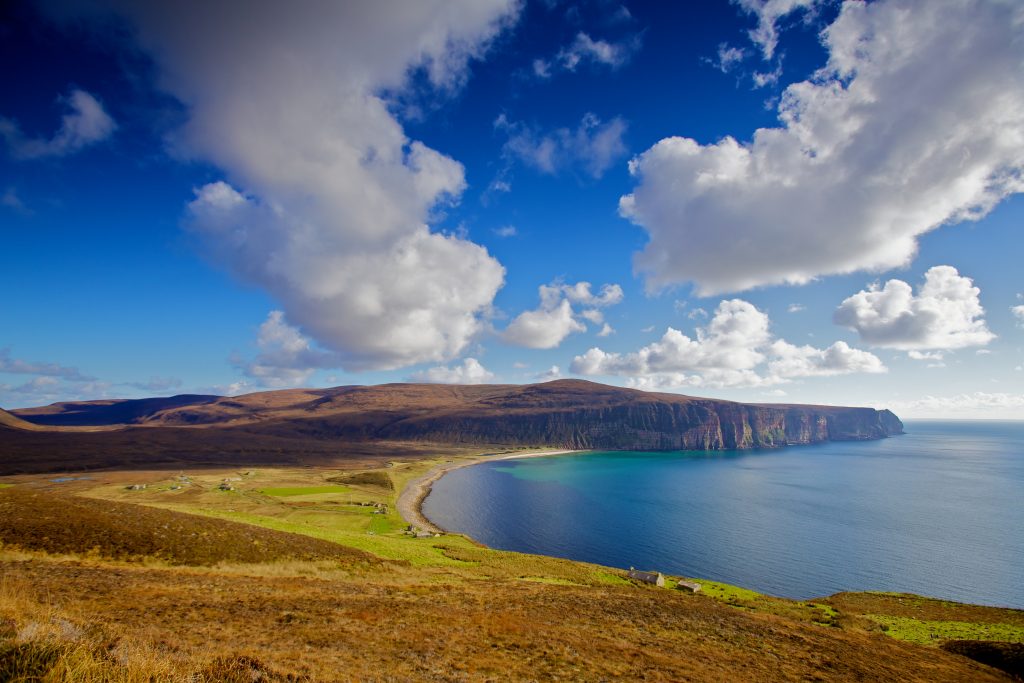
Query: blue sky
794, 201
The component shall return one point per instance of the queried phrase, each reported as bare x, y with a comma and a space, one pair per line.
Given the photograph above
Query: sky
797, 201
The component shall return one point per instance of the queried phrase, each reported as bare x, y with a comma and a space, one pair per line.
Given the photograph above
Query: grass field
301, 573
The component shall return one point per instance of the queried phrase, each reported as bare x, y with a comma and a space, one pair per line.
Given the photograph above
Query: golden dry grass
454, 612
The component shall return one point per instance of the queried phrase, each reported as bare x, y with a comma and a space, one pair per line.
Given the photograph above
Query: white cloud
543, 328
765, 78
1018, 312
47, 389
580, 293
944, 314
326, 201
585, 49
768, 13
86, 124
915, 122
552, 373
976, 405
934, 356
470, 372
795, 308
697, 313
506, 231
555, 319
806, 361
286, 357
592, 147
606, 330
728, 351
541, 68
17, 366
728, 57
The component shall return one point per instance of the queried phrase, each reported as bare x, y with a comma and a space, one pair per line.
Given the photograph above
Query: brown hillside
299, 424
40, 520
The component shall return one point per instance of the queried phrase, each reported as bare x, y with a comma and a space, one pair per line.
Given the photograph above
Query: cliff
563, 413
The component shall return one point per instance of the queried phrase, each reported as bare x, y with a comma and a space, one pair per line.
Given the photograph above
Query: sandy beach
410, 500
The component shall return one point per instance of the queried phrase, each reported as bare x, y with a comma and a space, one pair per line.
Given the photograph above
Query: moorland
257, 562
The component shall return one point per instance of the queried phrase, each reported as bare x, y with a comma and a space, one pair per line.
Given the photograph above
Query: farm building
654, 578
688, 586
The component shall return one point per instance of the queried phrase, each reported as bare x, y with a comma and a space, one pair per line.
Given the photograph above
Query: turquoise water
938, 511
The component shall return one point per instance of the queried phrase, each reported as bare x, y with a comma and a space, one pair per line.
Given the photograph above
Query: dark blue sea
938, 511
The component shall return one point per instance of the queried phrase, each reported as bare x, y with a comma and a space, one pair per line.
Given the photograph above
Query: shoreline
410, 501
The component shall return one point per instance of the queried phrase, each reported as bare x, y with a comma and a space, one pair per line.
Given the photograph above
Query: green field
288, 491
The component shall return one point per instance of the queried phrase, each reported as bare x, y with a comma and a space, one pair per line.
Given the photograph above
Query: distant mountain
563, 413
106, 412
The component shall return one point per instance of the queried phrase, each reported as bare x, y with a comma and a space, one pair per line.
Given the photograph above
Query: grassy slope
447, 609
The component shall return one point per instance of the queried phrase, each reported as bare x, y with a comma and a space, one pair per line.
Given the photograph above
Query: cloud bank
915, 121
735, 349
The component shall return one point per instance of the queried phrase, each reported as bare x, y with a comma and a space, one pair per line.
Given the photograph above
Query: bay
938, 511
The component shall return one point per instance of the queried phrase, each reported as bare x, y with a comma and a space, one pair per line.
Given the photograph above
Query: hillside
563, 413
286, 578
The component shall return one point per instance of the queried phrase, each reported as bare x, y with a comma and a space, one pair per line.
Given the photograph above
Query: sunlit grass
287, 491
931, 632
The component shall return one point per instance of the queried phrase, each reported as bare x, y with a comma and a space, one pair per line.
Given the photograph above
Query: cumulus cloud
16, 366
85, 124
592, 147
735, 348
470, 372
914, 122
806, 361
768, 13
555, 319
326, 201
543, 328
286, 358
945, 313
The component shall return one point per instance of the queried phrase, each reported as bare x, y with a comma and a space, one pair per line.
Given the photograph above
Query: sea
938, 511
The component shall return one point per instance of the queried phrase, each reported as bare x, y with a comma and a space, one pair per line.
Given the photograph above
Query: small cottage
653, 578
136, 487
688, 586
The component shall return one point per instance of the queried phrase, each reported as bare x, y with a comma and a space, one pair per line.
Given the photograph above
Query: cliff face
564, 413
698, 425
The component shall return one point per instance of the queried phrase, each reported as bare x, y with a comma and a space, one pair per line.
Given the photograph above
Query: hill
294, 597
563, 413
